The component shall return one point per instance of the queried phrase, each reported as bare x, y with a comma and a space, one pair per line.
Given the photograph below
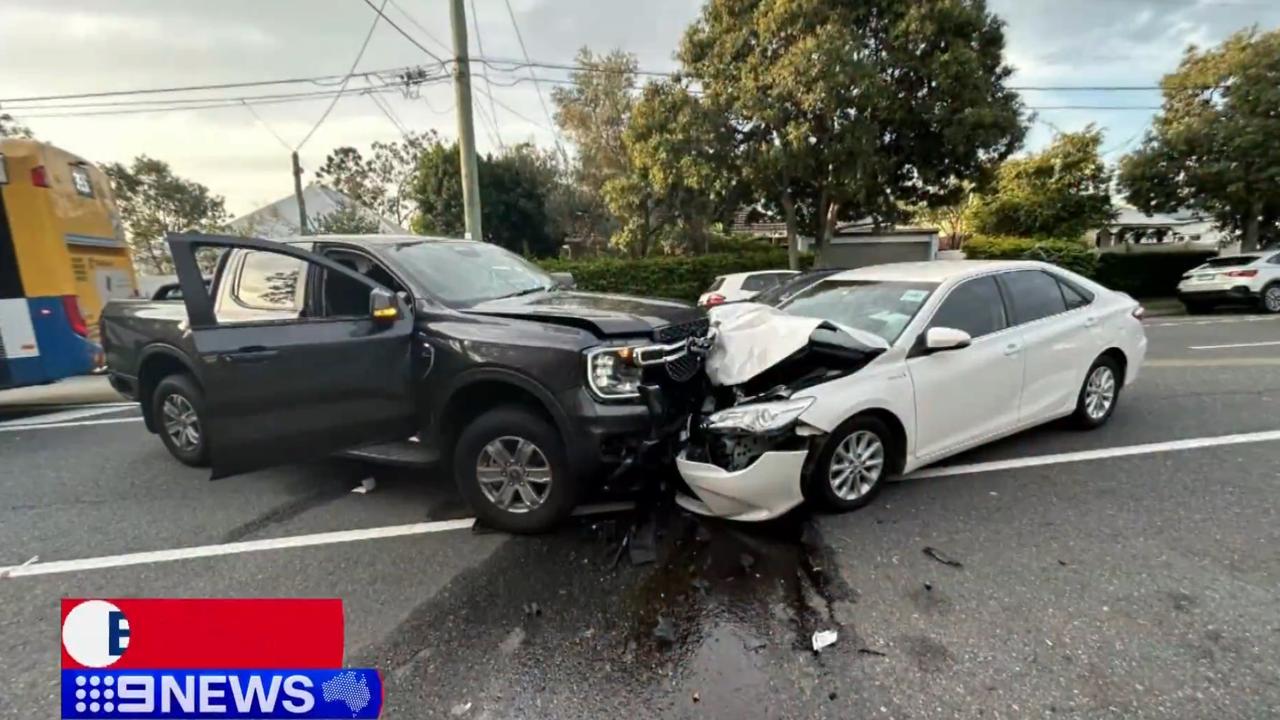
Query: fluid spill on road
723, 613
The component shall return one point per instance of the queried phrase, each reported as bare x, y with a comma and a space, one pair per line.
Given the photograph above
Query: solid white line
46, 426
1100, 454
235, 548
32, 567
1223, 321
1233, 345
62, 416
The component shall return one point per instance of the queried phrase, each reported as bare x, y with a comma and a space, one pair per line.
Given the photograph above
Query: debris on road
941, 557
366, 486
460, 709
665, 630
532, 609
747, 560
869, 651
823, 638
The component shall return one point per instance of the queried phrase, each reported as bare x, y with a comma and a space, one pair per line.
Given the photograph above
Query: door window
1034, 295
756, 283
268, 286
1076, 296
343, 296
974, 307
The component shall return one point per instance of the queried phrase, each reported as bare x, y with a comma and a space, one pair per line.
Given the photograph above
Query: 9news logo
225, 658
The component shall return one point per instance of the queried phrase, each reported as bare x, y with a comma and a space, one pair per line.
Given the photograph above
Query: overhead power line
541, 100
414, 22
406, 35
484, 75
354, 63
212, 105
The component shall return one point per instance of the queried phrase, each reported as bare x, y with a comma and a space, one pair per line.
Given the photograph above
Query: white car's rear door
967, 394
1059, 341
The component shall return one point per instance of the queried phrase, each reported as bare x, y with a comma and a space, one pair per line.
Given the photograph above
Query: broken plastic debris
941, 557
823, 638
366, 486
665, 630
460, 709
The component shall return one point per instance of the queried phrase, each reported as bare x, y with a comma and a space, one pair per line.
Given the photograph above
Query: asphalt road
1144, 584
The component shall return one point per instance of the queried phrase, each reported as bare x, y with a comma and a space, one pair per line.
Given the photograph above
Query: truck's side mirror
564, 280
382, 305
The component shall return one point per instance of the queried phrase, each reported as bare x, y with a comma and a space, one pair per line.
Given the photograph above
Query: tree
10, 127
680, 169
382, 182
593, 111
514, 188
153, 202
951, 219
1062, 191
854, 108
1213, 145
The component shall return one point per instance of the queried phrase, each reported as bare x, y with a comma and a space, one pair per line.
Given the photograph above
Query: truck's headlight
762, 417
612, 372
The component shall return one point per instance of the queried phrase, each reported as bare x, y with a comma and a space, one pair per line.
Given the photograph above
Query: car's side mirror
564, 280
937, 339
383, 306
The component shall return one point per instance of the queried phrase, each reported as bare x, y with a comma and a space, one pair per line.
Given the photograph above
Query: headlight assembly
613, 373
765, 417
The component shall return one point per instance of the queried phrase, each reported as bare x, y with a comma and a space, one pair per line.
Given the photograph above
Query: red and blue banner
212, 658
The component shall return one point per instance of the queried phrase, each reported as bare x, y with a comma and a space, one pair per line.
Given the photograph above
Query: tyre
177, 404
1099, 393
1270, 301
511, 466
852, 465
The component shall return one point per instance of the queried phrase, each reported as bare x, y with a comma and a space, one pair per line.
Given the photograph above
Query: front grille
680, 331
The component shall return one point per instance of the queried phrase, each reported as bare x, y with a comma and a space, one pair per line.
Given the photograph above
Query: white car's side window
1033, 294
974, 306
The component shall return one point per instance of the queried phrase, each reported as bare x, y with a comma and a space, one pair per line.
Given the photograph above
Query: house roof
280, 218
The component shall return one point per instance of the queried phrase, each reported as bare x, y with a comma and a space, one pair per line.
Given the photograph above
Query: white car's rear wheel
1271, 298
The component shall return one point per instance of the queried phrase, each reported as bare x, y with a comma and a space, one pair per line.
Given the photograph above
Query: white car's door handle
1012, 349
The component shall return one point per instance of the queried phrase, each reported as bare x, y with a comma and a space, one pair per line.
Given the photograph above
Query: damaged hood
601, 314
752, 338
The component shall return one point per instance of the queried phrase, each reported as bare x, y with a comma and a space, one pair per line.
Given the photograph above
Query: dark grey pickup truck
303, 348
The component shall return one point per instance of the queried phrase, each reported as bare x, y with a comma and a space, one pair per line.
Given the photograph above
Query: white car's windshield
462, 273
881, 308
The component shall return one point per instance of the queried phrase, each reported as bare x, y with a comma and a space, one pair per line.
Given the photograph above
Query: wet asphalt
1141, 586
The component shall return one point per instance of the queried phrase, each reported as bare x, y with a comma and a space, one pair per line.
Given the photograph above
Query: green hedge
678, 277
1148, 274
1070, 254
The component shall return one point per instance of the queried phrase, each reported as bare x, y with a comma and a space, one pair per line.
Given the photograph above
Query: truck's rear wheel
177, 404
510, 465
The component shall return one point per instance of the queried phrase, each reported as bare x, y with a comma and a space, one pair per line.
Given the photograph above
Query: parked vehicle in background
877, 371
62, 257
1252, 279
303, 348
742, 286
788, 288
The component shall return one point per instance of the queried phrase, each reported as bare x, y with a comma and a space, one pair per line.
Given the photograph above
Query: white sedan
877, 371
742, 286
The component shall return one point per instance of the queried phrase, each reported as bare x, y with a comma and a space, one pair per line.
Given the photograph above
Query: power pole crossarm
466, 126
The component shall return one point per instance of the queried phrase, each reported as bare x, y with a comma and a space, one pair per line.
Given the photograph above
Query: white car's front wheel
852, 465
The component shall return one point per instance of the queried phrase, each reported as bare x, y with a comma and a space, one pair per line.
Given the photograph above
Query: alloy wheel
856, 465
514, 474
1099, 392
1272, 299
181, 423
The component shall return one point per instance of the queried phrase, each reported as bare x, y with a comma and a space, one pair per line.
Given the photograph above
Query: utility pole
466, 126
297, 194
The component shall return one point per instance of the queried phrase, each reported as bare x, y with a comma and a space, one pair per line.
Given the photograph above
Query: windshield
882, 308
791, 286
461, 272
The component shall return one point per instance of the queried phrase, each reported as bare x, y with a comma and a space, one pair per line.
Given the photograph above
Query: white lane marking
32, 567
1233, 345
79, 423
63, 416
1223, 321
1208, 362
1099, 454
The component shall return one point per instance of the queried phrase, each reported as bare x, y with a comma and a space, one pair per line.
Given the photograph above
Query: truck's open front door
288, 375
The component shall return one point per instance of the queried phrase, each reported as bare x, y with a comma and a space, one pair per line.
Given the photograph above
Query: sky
54, 47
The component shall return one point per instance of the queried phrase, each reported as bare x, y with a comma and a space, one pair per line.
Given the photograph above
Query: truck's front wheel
510, 465
178, 408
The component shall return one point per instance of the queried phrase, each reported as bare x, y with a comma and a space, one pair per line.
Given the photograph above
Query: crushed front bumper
765, 489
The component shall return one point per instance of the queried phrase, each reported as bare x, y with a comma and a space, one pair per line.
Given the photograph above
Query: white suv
1252, 279
743, 286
